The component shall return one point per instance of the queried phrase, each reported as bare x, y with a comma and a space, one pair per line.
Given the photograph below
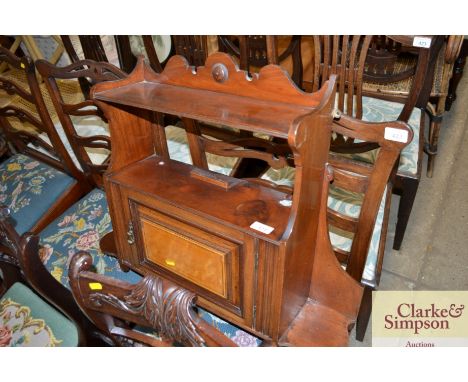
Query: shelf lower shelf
317, 325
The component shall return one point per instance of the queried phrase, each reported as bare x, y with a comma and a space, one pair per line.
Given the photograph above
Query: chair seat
402, 87
80, 228
377, 110
27, 320
29, 188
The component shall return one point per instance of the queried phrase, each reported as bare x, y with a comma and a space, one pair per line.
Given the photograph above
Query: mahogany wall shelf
194, 227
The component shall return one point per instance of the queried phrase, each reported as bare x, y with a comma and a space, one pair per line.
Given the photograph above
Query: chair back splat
25, 120
83, 123
344, 56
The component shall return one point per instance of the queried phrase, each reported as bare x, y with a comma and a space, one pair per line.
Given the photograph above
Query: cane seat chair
392, 70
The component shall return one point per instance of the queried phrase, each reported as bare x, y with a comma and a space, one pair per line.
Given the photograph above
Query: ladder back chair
83, 224
40, 180
120, 50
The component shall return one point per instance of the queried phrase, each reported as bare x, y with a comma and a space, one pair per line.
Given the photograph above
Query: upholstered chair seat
377, 110
27, 320
29, 188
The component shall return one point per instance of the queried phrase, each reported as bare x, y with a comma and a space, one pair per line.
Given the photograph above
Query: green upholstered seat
27, 320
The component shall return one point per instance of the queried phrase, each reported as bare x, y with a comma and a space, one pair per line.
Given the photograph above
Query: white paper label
422, 42
397, 135
257, 226
286, 202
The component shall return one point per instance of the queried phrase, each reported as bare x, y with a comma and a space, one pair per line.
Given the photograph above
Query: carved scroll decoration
166, 307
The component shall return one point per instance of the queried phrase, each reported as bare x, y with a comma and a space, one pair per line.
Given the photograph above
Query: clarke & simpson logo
411, 317
419, 318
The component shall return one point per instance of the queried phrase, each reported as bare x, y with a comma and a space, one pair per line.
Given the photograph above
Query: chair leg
364, 313
10, 274
408, 194
457, 75
434, 130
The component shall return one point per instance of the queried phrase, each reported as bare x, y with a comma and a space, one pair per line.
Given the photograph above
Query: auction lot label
420, 318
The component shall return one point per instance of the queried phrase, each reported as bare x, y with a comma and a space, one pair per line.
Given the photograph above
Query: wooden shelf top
219, 93
272, 118
238, 206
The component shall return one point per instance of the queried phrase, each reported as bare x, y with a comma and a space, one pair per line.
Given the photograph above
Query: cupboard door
202, 258
215, 261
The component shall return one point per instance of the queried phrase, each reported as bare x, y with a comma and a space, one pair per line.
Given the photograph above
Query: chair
26, 318
152, 312
34, 272
393, 61
75, 119
40, 180
357, 103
